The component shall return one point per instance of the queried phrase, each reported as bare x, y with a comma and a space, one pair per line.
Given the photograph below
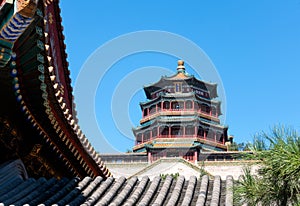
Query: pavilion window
177, 105
207, 109
189, 130
201, 132
158, 107
203, 107
166, 105
213, 111
181, 105
211, 135
220, 137
189, 105
145, 112
196, 105
147, 136
139, 138
174, 105
164, 131
154, 132
186, 88
152, 109
178, 87
176, 131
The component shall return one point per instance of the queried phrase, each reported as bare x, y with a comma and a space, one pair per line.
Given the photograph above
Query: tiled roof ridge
70, 113
41, 101
132, 191
166, 159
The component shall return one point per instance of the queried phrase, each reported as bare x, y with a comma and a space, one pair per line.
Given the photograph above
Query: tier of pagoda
180, 118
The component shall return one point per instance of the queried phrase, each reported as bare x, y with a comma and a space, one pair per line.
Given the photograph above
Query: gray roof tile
203, 190
170, 191
138, 191
189, 191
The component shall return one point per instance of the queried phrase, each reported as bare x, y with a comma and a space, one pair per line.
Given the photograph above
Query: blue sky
254, 45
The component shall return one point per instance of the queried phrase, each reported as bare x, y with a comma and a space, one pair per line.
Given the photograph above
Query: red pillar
158, 134
184, 132
196, 156
196, 131
151, 135
184, 106
143, 138
149, 157
215, 136
204, 134
169, 131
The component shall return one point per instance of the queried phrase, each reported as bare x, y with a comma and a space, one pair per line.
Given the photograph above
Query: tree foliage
278, 178
234, 146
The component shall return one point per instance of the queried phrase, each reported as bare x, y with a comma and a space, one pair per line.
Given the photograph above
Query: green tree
246, 147
277, 181
234, 146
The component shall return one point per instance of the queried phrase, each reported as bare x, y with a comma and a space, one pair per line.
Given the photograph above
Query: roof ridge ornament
181, 67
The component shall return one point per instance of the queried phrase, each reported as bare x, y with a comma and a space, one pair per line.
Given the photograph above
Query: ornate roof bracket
15, 27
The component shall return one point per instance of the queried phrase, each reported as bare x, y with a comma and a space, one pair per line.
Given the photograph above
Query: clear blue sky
254, 45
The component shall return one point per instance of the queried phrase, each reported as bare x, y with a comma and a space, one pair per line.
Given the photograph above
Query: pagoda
180, 118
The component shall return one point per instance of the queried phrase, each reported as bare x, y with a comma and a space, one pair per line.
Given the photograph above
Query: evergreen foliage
174, 176
278, 178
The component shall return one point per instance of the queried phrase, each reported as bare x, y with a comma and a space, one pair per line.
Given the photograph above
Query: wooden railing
176, 112
163, 138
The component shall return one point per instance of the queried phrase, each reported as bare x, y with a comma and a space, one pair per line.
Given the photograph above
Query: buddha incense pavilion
180, 118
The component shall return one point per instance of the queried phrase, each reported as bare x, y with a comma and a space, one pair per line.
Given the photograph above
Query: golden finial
180, 63
181, 66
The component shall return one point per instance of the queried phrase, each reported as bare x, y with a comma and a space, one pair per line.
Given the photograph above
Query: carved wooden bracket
27, 8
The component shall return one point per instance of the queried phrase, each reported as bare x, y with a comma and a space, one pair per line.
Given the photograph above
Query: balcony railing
176, 138
178, 112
